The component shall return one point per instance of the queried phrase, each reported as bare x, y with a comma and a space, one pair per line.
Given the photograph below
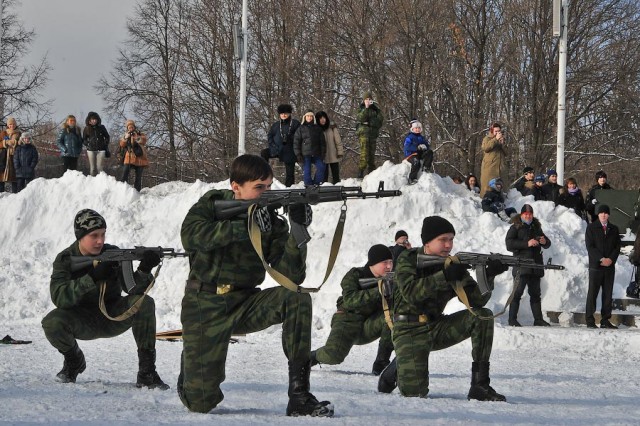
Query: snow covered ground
560, 375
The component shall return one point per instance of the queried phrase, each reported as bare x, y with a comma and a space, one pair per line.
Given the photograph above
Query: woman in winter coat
25, 161
96, 139
134, 142
310, 148
70, 143
8, 142
471, 182
335, 150
571, 197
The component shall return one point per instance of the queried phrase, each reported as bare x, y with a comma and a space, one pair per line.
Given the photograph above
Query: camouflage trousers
208, 320
413, 342
367, 153
348, 329
63, 326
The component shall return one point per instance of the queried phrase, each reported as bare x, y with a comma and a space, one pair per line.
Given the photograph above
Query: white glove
422, 147
594, 201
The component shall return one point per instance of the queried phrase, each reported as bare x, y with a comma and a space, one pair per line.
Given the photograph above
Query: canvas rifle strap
136, 305
256, 240
385, 305
462, 295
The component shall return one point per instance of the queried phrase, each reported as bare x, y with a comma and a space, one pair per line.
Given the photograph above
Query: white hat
416, 124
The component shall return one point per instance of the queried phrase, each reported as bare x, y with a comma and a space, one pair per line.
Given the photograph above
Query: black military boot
301, 401
314, 360
536, 310
382, 359
513, 313
480, 388
388, 380
74, 364
147, 375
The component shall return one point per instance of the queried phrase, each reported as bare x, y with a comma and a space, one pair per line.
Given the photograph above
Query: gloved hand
150, 259
594, 201
422, 147
104, 271
456, 271
495, 267
301, 213
263, 219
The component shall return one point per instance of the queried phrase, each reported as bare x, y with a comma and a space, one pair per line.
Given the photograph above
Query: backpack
633, 290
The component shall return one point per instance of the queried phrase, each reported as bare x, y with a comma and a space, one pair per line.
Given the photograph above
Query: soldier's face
440, 246
252, 189
91, 244
381, 268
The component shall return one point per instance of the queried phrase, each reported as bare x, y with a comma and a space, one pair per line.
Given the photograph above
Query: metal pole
243, 80
1, 35
562, 89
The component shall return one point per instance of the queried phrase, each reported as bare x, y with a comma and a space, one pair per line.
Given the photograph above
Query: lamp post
560, 24
242, 41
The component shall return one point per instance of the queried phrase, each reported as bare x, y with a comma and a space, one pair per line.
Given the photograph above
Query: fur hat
434, 226
603, 208
601, 174
86, 222
285, 109
401, 233
367, 95
526, 209
126, 124
527, 170
321, 114
416, 124
378, 253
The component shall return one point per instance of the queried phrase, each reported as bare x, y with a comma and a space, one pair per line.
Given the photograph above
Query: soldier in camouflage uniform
359, 318
370, 120
76, 295
221, 297
419, 326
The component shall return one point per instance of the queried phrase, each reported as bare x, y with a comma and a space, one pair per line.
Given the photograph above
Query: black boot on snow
382, 359
301, 401
314, 360
147, 375
480, 389
388, 380
74, 364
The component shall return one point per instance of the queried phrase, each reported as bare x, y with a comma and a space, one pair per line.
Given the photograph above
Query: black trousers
22, 183
125, 175
70, 163
601, 278
532, 283
335, 173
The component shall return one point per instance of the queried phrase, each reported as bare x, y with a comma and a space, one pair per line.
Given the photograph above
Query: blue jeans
318, 178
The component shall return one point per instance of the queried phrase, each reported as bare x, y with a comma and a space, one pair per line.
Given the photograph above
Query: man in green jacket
419, 325
370, 120
359, 318
221, 296
76, 295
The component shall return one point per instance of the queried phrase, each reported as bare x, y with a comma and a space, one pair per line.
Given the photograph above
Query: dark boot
147, 375
536, 310
74, 364
314, 360
513, 313
301, 401
360, 174
480, 388
388, 380
382, 359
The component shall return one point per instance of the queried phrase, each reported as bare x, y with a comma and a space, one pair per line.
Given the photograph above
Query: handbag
633, 290
137, 150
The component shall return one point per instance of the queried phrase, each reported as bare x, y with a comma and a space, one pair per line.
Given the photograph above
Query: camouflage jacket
370, 120
69, 289
220, 251
353, 299
426, 291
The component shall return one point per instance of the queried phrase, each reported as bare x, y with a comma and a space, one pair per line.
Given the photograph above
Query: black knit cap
527, 170
526, 208
600, 174
86, 222
285, 109
434, 226
378, 253
603, 208
401, 233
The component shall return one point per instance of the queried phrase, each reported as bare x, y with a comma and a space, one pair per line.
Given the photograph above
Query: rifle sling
256, 240
136, 305
385, 305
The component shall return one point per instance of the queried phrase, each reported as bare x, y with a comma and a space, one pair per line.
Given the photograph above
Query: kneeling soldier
359, 318
76, 296
419, 326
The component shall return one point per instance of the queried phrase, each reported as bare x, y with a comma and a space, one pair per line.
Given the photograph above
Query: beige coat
335, 150
493, 162
10, 142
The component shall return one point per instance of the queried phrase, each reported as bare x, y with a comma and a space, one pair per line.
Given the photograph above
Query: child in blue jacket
417, 151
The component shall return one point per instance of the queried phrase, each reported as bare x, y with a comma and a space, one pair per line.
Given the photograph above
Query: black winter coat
96, 138
600, 245
309, 141
589, 206
493, 201
572, 201
25, 160
551, 191
280, 139
517, 241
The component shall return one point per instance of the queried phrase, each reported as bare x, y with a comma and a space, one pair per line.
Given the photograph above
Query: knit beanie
367, 95
401, 233
526, 209
527, 170
434, 226
603, 208
601, 174
416, 124
552, 172
378, 253
86, 222
539, 178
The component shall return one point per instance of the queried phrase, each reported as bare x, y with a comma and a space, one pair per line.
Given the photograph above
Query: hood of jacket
92, 115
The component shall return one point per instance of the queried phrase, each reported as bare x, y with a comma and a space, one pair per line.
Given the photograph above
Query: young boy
417, 151
221, 297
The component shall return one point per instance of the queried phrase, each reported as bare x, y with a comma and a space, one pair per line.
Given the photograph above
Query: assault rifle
476, 260
387, 283
275, 199
123, 256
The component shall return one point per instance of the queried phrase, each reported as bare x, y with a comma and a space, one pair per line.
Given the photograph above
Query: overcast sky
81, 39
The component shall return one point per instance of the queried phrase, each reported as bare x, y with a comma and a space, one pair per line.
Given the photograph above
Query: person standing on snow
25, 161
70, 143
370, 120
96, 139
